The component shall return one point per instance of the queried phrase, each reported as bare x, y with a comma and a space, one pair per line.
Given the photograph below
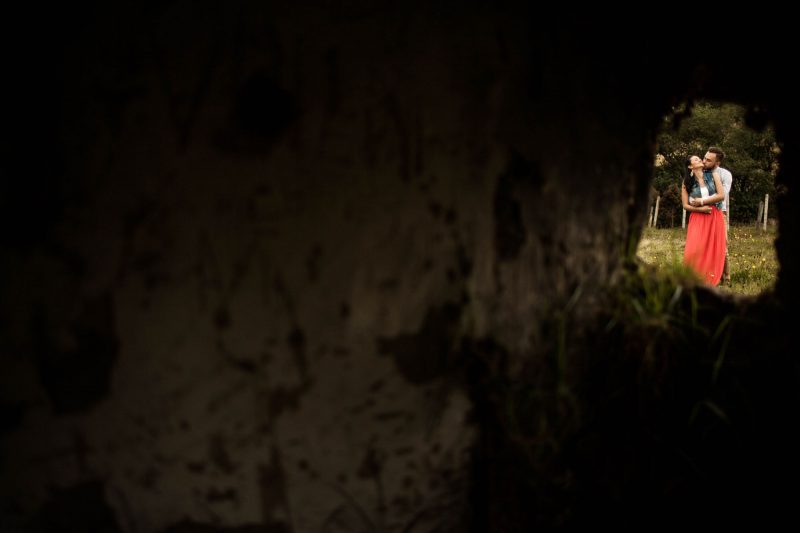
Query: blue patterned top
708, 177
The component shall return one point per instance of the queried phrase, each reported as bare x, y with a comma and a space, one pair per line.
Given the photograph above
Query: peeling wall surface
242, 247
242, 313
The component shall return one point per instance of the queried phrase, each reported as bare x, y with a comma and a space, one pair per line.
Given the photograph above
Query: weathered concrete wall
254, 212
261, 234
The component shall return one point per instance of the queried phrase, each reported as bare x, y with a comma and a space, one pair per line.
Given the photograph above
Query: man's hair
718, 152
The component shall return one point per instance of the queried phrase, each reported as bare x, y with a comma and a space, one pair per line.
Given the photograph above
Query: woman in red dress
705, 237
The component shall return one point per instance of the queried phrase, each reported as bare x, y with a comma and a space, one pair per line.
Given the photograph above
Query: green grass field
751, 253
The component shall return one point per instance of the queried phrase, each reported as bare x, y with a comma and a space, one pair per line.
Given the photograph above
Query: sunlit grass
751, 254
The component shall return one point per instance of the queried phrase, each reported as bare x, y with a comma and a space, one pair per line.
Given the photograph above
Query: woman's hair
688, 179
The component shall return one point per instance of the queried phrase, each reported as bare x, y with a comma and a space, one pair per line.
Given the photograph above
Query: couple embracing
705, 195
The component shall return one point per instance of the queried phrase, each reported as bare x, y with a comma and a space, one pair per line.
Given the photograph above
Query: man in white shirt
712, 161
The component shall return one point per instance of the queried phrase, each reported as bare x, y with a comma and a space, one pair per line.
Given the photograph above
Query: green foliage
647, 400
670, 207
751, 156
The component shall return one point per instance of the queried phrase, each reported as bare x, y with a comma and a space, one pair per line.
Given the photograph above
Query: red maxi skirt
705, 245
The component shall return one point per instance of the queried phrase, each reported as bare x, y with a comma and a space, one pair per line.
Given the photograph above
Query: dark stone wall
247, 251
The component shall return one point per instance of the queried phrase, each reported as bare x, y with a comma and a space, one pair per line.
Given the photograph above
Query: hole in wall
750, 153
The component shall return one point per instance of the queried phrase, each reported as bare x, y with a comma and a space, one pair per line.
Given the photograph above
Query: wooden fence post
655, 215
760, 212
727, 217
766, 210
